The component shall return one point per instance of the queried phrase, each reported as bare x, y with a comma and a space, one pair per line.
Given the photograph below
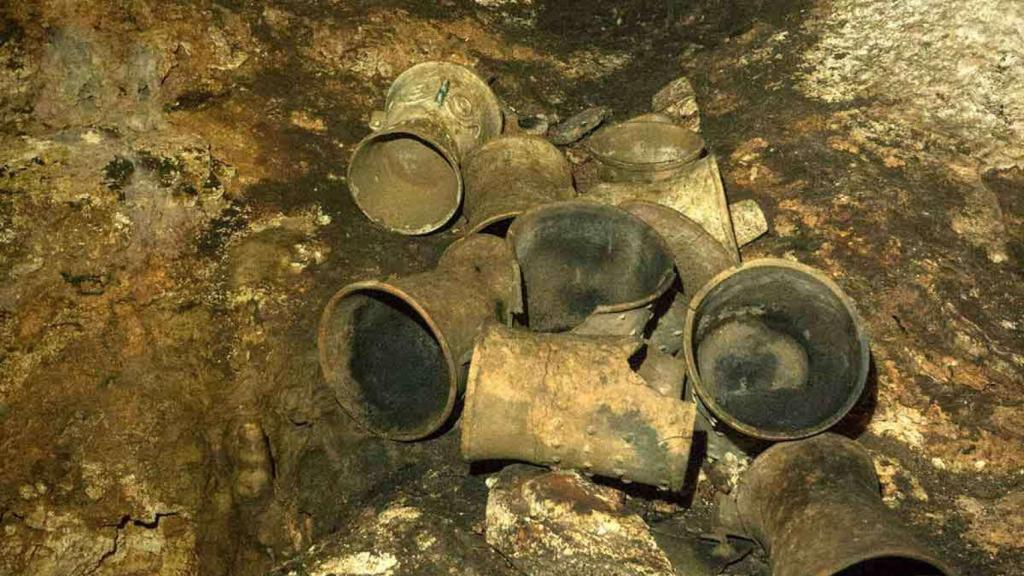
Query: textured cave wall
173, 215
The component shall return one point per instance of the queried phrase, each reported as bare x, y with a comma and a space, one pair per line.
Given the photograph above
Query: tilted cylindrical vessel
394, 351
648, 148
511, 174
406, 175
581, 258
572, 401
814, 505
775, 349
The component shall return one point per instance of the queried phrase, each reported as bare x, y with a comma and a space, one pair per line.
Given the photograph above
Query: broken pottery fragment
663, 372
678, 101
667, 332
393, 350
580, 258
775, 349
572, 401
628, 324
561, 523
727, 451
405, 176
815, 506
645, 149
578, 126
511, 174
748, 221
695, 191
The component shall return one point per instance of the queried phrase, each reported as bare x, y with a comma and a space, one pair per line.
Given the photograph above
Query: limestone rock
401, 539
678, 101
561, 523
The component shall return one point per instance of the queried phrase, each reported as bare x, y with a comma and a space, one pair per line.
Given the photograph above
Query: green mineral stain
442, 93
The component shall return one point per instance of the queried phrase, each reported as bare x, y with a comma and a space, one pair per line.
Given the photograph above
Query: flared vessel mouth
578, 258
776, 349
405, 182
389, 365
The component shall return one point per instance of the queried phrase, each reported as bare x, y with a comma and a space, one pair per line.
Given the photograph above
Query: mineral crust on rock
399, 540
561, 523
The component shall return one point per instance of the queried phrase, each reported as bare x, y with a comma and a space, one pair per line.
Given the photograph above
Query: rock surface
399, 540
561, 523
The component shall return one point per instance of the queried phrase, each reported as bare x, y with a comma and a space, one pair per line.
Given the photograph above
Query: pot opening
405, 183
389, 363
891, 566
577, 258
778, 351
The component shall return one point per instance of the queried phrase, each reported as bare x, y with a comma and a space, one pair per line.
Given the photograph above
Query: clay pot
775, 349
572, 401
405, 176
645, 149
510, 175
581, 258
394, 350
814, 505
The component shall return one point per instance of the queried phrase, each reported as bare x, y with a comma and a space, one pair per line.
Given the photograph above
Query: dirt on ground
174, 215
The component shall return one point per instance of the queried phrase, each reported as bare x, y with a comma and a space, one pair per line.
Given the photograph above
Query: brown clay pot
775, 349
405, 176
510, 175
814, 505
648, 148
581, 258
394, 350
572, 401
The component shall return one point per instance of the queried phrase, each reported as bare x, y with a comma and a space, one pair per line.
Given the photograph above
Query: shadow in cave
859, 417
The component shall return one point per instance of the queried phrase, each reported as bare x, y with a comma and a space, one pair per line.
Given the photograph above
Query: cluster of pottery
597, 329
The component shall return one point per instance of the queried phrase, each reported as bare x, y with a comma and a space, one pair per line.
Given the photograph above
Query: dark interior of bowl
404, 183
575, 258
391, 370
778, 351
891, 566
498, 226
